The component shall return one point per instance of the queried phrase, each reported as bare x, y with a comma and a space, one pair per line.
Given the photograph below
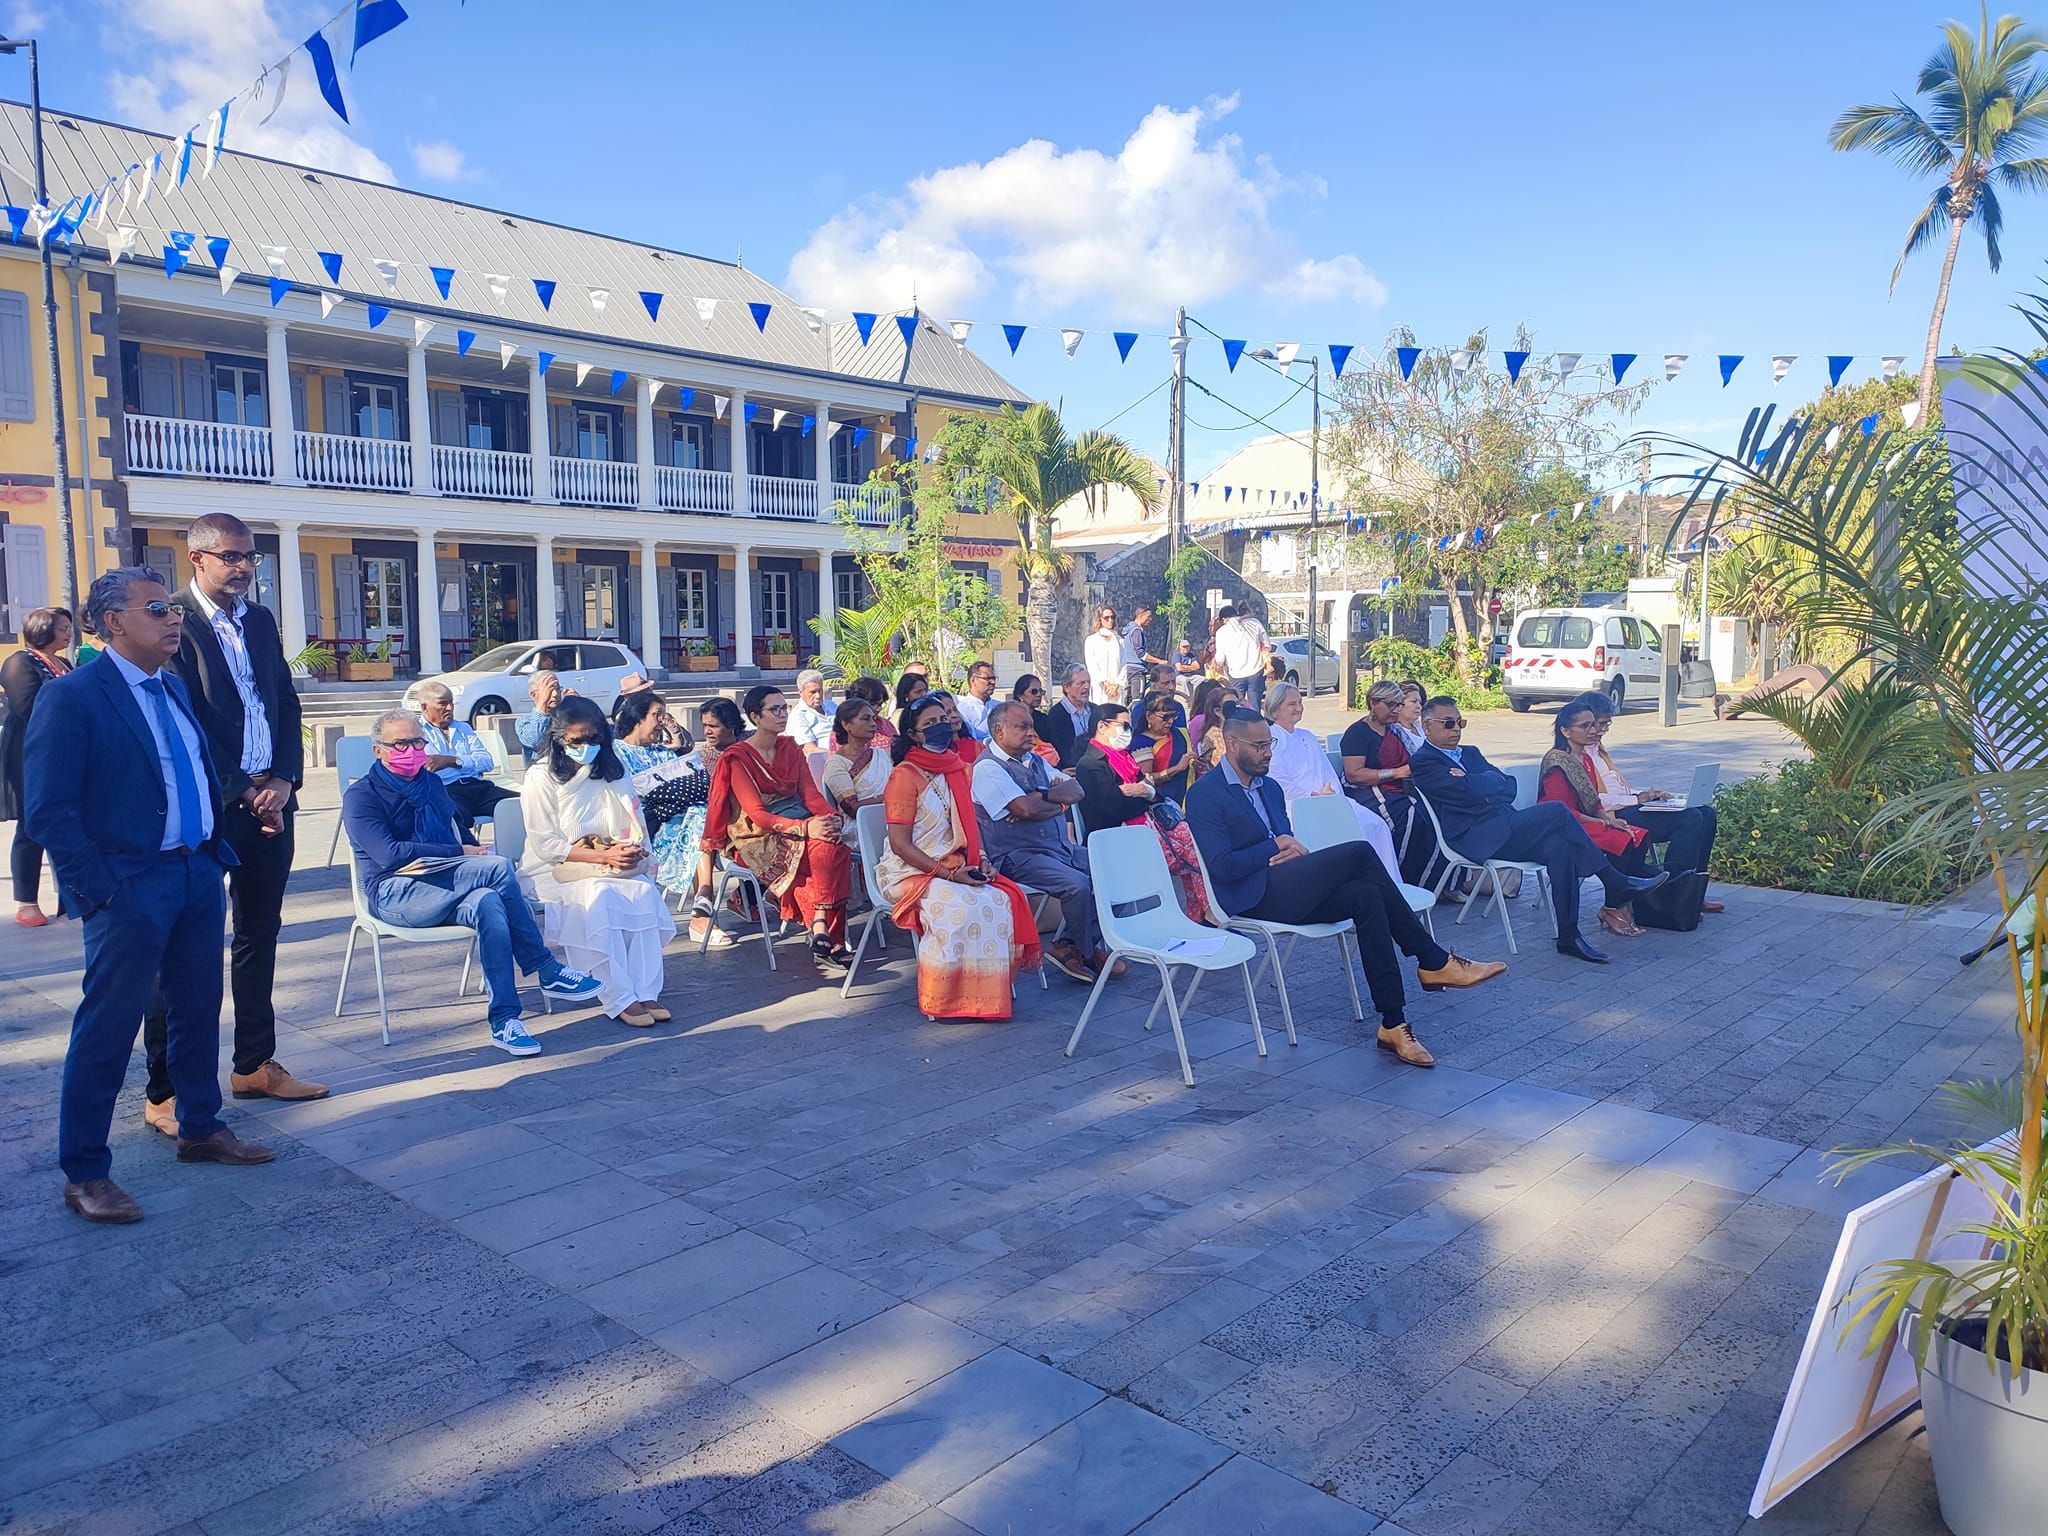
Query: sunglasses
158, 609
248, 557
1451, 725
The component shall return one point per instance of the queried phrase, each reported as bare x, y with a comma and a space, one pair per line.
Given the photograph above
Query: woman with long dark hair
587, 855
45, 637
1160, 744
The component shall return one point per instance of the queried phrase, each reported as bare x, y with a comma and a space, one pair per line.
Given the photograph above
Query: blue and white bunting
864, 322
906, 326
1125, 340
1013, 334
760, 313
544, 290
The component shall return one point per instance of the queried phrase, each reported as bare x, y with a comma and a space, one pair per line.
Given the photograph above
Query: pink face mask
406, 762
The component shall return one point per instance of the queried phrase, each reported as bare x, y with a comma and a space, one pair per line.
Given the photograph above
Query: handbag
1675, 905
571, 869
1165, 815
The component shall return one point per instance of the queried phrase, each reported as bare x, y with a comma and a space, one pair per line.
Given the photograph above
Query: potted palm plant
367, 664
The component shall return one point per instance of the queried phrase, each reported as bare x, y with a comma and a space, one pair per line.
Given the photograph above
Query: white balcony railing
692, 490
220, 450
483, 472
596, 483
872, 504
358, 463
773, 496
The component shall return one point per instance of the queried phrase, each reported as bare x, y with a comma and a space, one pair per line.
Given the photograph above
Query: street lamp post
1315, 494
62, 466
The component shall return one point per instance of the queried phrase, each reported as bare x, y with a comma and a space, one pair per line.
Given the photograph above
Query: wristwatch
261, 776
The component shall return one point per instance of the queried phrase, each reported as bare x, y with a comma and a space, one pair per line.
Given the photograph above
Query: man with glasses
418, 872
458, 757
1475, 806
120, 789
232, 663
974, 703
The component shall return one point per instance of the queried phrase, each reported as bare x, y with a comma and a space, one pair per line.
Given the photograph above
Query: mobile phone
976, 875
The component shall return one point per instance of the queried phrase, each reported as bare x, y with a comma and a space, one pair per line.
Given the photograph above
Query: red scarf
949, 766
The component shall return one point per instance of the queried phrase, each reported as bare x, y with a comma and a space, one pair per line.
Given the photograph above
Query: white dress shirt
189, 741
472, 758
994, 789
227, 629
1240, 646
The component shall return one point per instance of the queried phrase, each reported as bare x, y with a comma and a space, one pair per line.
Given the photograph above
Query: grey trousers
1064, 877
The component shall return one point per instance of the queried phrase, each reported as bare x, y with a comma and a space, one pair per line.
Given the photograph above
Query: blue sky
1620, 177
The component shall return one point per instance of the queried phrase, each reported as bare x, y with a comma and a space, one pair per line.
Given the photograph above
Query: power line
1104, 426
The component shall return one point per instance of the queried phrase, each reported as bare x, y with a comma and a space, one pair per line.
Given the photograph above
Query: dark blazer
21, 677
94, 796
1236, 847
203, 669
1057, 727
392, 821
1103, 802
1474, 801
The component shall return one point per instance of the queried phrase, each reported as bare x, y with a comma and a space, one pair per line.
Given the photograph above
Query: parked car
495, 682
1294, 651
1560, 653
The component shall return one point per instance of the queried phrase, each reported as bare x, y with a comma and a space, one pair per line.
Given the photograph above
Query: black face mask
938, 737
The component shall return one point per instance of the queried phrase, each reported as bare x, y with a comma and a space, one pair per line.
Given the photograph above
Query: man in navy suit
120, 789
1475, 805
1257, 868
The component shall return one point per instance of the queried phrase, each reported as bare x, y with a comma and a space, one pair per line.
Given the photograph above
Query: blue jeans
166, 923
484, 895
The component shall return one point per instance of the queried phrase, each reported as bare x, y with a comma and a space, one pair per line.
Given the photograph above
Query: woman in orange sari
974, 928
769, 813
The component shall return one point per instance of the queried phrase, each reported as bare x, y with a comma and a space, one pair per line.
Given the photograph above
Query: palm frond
1931, 224
1990, 217
1896, 131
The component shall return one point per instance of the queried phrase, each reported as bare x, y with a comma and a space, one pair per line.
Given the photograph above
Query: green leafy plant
315, 660
1856, 727
1179, 606
357, 654
699, 645
1437, 670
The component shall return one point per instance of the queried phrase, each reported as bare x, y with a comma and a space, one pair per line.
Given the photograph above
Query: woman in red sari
769, 813
1573, 774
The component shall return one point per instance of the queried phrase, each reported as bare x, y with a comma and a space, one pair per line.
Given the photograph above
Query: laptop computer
1705, 779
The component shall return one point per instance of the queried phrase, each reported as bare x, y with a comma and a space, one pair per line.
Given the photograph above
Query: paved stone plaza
783, 1265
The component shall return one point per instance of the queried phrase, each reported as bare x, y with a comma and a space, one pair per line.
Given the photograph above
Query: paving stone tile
1435, 1092
1521, 1109
841, 1380
1733, 1160
1470, 1497
672, 1288
615, 1244
740, 1336
1248, 1499
556, 1212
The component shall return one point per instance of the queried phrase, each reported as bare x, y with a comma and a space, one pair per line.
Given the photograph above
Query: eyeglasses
249, 557
402, 743
1451, 725
774, 709
158, 609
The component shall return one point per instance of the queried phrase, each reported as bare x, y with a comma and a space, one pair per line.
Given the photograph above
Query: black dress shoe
1640, 883
1577, 947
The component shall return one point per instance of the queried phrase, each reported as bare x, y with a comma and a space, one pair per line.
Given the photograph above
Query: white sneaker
511, 1037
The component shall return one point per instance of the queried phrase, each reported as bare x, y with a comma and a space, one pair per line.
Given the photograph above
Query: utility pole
1315, 497
1177, 436
1643, 502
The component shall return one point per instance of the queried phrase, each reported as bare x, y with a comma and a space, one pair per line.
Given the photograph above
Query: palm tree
1986, 105
1039, 467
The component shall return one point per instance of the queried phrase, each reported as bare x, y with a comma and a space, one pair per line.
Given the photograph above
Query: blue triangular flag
619, 377
543, 361
1869, 424
1125, 340
174, 260
1728, 366
1620, 360
443, 277
185, 158
760, 314
332, 262
1232, 351
183, 240
859, 436
17, 221
752, 409
464, 340
1407, 357
1339, 356
907, 325
379, 313
544, 289
684, 397
323, 71
279, 287
864, 322
1013, 334
1837, 366
217, 249
809, 422
1514, 360
1226, 492
910, 449
373, 19
652, 301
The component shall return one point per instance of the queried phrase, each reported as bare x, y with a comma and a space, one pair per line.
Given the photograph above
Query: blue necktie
181, 765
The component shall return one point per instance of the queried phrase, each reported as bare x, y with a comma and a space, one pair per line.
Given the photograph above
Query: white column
828, 605
743, 608
736, 424
538, 427
544, 589
429, 626
291, 589
419, 407
650, 603
279, 383
824, 461
643, 443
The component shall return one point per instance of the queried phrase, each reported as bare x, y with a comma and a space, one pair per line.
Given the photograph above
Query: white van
1560, 653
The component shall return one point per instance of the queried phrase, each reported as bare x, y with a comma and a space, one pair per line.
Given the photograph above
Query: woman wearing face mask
1115, 792
974, 929
586, 854
769, 813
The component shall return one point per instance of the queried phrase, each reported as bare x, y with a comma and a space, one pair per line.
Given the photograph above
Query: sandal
823, 952
711, 936
1620, 922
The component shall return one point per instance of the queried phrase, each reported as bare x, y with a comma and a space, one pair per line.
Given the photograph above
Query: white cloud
201, 52
26, 20
1166, 219
441, 161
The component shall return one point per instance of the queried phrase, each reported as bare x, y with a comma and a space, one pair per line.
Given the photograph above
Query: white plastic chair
1141, 920
725, 874
1323, 821
1490, 874
352, 759
506, 758
872, 828
1527, 784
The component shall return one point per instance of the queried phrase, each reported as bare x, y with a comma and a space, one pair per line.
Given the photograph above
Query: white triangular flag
328, 301
1673, 361
814, 318
720, 402
388, 270
505, 351
1284, 354
706, 308
228, 276
1577, 508
156, 163
775, 420
1177, 345
214, 129
1070, 339
1891, 366
127, 190
125, 236
599, 297
283, 70
1834, 436
275, 255
1781, 364
1461, 361
653, 390
831, 428
960, 328
420, 328
582, 373
883, 440
498, 283
1566, 362
1910, 412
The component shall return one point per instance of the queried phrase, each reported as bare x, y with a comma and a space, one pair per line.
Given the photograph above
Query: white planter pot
1987, 1430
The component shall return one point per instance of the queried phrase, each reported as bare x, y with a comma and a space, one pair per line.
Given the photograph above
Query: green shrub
1435, 669
1794, 830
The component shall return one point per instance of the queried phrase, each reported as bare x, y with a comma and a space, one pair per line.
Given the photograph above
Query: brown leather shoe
1712, 906
1117, 969
1402, 1042
271, 1081
162, 1117
102, 1200
1457, 972
224, 1146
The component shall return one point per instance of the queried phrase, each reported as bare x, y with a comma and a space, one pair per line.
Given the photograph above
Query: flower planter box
365, 671
782, 661
700, 663
1987, 1429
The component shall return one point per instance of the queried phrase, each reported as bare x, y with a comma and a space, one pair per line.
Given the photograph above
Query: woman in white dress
1302, 768
586, 853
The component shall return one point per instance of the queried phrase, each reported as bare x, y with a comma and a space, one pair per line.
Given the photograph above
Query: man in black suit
233, 666
119, 787
1069, 726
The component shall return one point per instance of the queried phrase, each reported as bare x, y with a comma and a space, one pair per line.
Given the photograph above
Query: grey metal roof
256, 201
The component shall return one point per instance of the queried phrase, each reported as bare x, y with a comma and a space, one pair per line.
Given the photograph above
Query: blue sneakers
563, 982
511, 1037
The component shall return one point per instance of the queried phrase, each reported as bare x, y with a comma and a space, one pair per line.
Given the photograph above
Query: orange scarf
1023, 926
